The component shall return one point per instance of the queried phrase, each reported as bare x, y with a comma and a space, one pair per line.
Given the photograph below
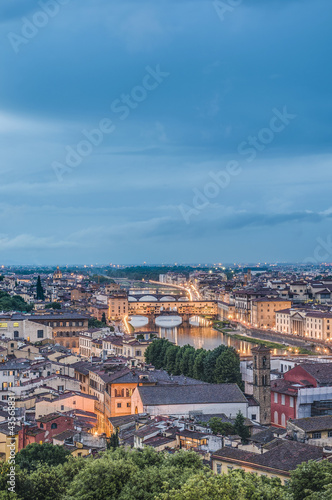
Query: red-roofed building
47, 427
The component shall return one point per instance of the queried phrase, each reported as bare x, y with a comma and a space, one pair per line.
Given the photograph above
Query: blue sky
138, 195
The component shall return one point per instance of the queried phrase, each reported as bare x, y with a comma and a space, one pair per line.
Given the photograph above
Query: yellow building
117, 306
8, 440
263, 311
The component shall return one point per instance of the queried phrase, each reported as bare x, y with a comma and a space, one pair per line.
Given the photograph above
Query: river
197, 335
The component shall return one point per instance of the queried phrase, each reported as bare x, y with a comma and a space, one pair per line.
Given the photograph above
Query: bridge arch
148, 298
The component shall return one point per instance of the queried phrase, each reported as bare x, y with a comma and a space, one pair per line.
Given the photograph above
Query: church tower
261, 382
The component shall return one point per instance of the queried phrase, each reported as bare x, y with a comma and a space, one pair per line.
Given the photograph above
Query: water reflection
199, 336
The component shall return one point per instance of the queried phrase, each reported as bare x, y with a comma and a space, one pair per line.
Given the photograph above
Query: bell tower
261, 382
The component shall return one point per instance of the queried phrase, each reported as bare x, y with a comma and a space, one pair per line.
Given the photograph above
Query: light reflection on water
200, 337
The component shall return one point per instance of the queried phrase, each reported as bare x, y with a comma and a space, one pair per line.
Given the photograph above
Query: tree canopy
221, 365
120, 474
13, 303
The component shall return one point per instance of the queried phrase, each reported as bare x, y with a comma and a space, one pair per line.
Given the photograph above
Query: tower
261, 382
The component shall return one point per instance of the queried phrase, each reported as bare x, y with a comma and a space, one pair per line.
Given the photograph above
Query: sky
165, 131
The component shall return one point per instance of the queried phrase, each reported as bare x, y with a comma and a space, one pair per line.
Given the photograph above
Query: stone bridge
185, 308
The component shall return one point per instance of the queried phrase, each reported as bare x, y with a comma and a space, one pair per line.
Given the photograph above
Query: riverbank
297, 349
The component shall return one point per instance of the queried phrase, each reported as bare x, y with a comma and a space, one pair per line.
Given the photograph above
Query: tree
311, 478
237, 485
14, 303
100, 479
40, 291
200, 364
113, 441
187, 360
198, 368
240, 428
53, 305
210, 363
171, 354
227, 368
95, 323
32, 455
217, 426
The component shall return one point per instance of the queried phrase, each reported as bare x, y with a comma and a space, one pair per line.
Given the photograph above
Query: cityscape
165, 250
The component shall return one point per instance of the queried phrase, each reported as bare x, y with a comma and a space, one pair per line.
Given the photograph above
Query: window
283, 399
118, 405
276, 397
62, 407
283, 420
41, 425
329, 434
54, 426
276, 417
16, 334
128, 405
316, 435
253, 416
291, 401
218, 468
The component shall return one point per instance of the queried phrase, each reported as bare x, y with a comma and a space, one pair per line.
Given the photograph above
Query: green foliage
95, 323
227, 368
217, 426
14, 303
113, 441
40, 291
240, 428
235, 486
34, 454
149, 475
222, 365
310, 479
53, 305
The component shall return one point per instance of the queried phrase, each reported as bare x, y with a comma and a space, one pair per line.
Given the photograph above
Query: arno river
199, 336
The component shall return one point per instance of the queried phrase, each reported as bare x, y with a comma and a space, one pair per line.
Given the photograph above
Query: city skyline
176, 132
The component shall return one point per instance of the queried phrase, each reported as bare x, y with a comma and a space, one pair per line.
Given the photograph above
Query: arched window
116, 393
255, 361
255, 379
276, 417
54, 426
122, 393
283, 420
41, 425
264, 361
